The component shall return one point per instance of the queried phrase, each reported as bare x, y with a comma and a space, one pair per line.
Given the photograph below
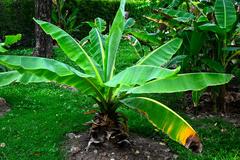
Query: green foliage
15, 17
208, 30
65, 19
94, 79
9, 40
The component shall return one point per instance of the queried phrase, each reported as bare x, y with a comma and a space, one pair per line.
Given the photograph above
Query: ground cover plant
96, 78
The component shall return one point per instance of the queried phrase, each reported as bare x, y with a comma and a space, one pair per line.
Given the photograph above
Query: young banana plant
112, 91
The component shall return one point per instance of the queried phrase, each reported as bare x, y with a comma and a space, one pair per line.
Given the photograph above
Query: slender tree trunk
221, 99
44, 44
214, 99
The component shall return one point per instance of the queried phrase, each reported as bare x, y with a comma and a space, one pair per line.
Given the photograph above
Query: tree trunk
44, 44
221, 103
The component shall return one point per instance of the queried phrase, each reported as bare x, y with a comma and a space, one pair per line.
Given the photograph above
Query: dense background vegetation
16, 15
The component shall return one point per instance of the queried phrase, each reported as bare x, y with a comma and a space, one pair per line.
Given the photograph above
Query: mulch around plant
141, 149
4, 107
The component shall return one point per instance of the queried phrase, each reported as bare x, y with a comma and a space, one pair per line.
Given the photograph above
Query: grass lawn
42, 114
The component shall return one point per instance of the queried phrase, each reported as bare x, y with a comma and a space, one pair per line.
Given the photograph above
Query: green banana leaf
138, 75
225, 14
174, 3
202, 19
8, 77
183, 82
2, 50
163, 54
214, 65
134, 42
71, 48
97, 46
100, 24
11, 39
145, 37
113, 41
210, 27
196, 42
49, 69
14, 76
165, 119
196, 95
129, 23
178, 15
175, 61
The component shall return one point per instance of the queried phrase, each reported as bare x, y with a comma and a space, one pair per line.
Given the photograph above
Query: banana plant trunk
43, 46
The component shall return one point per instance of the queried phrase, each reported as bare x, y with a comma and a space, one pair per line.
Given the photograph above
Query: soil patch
4, 107
140, 149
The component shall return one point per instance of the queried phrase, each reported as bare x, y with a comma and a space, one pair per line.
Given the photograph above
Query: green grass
42, 114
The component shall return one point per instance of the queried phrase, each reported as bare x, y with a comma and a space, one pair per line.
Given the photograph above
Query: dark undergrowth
42, 114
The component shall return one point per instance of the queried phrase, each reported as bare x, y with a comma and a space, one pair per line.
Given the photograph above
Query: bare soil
4, 107
140, 149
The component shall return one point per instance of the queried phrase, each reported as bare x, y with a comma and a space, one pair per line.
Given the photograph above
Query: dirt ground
140, 149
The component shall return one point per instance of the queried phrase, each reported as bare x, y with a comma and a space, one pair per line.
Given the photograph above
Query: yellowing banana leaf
225, 14
49, 69
163, 54
183, 82
71, 48
140, 74
166, 120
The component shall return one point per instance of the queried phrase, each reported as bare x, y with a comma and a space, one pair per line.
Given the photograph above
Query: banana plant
132, 39
226, 17
224, 27
112, 91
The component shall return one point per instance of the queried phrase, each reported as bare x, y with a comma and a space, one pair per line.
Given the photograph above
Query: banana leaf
163, 54
14, 76
183, 82
71, 48
138, 75
49, 69
166, 120
225, 14
113, 41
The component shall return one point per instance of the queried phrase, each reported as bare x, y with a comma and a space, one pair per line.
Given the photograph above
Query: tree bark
43, 47
221, 99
